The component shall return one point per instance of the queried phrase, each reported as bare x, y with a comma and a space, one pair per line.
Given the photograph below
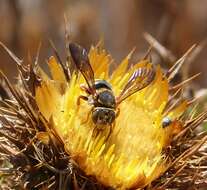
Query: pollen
132, 155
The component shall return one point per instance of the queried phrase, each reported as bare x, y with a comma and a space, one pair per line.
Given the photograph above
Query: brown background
177, 24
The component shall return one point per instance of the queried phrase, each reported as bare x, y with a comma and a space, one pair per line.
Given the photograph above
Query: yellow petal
56, 70
100, 61
132, 155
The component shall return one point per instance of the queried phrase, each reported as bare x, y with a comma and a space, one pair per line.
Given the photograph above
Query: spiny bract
47, 142
132, 156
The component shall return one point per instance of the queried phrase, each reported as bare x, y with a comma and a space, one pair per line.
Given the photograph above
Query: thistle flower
52, 142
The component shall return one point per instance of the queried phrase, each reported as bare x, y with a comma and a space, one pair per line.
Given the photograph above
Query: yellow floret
132, 156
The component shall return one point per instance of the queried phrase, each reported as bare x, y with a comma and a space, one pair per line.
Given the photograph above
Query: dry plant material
47, 142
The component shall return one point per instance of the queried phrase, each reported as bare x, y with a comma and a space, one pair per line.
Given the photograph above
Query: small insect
100, 93
166, 121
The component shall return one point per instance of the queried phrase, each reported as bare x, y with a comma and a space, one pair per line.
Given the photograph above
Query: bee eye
166, 122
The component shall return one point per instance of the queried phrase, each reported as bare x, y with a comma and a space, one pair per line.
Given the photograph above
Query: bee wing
140, 79
81, 60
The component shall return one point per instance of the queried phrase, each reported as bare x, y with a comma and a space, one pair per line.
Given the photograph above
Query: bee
99, 92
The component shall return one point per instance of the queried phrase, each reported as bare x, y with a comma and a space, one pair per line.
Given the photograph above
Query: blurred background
176, 24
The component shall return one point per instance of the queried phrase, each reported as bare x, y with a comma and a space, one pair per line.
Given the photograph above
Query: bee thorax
106, 99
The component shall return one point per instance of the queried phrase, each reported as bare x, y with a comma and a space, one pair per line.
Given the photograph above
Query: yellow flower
133, 155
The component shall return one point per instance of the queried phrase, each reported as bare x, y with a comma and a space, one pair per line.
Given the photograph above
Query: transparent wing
140, 79
81, 60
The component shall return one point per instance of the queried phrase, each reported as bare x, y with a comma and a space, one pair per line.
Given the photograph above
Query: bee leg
81, 97
95, 132
85, 98
84, 88
118, 112
110, 131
